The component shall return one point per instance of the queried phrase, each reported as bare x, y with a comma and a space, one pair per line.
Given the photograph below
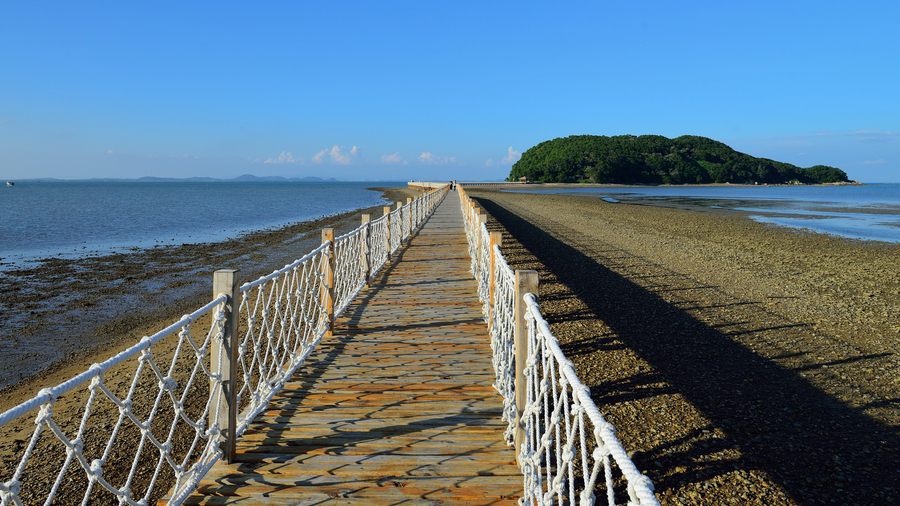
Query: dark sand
741, 363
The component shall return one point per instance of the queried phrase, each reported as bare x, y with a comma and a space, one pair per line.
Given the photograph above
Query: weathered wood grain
396, 408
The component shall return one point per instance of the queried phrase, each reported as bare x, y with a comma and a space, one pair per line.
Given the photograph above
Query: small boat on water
10, 183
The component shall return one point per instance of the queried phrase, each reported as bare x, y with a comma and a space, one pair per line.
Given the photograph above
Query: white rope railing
502, 326
283, 317
563, 442
171, 421
396, 234
142, 431
379, 243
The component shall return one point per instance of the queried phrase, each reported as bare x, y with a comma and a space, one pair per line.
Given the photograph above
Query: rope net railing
283, 317
132, 427
396, 228
379, 243
155, 417
568, 453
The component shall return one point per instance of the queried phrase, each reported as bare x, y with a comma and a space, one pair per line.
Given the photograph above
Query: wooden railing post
387, 212
366, 247
328, 278
226, 281
526, 282
409, 216
496, 240
476, 223
480, 219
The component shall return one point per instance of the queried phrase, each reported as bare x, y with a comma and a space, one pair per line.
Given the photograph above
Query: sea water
71, 219
868, 212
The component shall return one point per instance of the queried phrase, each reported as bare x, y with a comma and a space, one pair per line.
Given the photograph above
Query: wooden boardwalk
396, 408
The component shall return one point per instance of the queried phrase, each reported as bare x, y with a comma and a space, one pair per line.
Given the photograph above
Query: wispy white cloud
873, 162
284, 157
5, 120
489, 163
337, 155
395, 158
431, 158
512, 156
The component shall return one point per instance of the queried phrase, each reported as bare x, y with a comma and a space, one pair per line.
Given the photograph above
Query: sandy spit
741, 363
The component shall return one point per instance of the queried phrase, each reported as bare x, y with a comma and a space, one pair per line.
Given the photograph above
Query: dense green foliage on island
654, 159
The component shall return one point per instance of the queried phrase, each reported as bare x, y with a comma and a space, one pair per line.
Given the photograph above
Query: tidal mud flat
741, 363
61, 315
89, 309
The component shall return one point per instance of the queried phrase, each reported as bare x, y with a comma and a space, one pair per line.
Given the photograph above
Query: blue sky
436, 90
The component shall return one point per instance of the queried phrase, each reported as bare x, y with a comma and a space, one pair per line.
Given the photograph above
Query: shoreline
107, 302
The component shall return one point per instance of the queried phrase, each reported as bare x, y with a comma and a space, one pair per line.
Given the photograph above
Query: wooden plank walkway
397, 408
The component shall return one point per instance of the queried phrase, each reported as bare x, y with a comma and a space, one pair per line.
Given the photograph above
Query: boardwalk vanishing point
397, 407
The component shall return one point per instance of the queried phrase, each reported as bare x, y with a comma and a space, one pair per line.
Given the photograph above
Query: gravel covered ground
62, 315
740, 363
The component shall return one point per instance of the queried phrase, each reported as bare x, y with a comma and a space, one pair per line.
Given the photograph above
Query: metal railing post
225, 411
526, 282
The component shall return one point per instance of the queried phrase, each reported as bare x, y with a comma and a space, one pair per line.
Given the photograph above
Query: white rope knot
124, 495
96, 470
568, 454
146, 356
577, 408
168, 384
76, 446
601, 451
12, 487
588, 497
45, 413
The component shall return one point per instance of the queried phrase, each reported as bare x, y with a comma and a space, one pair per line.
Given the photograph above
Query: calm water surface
870, 212
73, 218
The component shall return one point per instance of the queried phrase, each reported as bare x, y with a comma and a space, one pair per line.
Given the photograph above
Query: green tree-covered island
654, 159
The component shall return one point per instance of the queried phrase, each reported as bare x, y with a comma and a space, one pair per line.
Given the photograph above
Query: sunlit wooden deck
396, 408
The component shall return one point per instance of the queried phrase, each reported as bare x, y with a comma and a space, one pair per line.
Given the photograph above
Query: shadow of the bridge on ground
770, 418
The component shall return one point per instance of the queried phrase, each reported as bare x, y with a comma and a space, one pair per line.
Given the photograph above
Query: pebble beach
741, 363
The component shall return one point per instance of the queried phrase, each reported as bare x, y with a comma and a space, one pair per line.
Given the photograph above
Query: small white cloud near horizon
489, 163
431, 158
337, 155
393, 159
284, 157
512, 157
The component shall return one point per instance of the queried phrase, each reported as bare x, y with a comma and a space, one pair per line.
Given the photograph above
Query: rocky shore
61, 316
740, 363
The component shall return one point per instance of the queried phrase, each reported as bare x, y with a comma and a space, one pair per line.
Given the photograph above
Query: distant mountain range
246, 178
